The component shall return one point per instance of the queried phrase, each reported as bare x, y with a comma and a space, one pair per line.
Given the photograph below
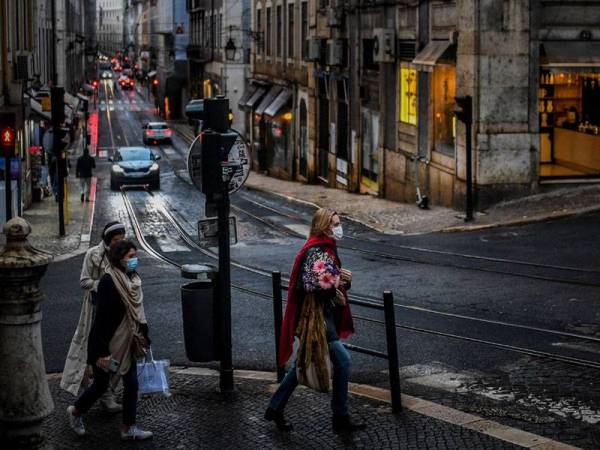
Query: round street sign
239, 152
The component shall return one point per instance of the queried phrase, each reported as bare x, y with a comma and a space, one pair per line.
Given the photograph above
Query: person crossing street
84, 171
94, 267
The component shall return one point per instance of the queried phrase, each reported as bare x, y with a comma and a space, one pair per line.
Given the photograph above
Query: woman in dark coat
118, 337
318, 314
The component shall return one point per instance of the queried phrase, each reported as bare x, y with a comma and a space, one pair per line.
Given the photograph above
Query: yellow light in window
288, 116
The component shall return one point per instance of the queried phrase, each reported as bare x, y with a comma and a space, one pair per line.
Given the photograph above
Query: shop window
268, 32
279, 31
323, 138
370, 145
259, 44
304, 31
342, 119
408, 96
303, 139
290, 31
368, 61
444, 122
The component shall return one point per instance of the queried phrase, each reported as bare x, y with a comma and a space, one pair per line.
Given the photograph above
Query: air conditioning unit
334, 17
22, 66
314, 49
384, 48
335, 52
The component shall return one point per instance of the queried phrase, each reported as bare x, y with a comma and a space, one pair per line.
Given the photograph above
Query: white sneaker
75, 422
109, 404
135, 434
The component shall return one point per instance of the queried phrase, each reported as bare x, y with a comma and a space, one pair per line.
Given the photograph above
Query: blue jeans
341, 361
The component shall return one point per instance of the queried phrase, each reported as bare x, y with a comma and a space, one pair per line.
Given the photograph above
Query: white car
156, 132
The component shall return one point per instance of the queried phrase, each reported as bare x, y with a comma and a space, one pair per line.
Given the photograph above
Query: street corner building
35, 55
360, 95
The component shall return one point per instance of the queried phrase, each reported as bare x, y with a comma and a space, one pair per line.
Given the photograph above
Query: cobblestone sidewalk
196, 416
43, 217
405, 218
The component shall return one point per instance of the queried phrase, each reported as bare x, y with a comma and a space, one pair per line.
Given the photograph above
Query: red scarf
343, 316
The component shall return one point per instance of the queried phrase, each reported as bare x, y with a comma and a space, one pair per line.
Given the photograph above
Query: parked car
134, 165
126, 82
155, 132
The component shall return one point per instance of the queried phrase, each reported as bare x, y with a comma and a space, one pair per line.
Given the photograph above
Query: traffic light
464, 109
8, 135
155, 86
57, 96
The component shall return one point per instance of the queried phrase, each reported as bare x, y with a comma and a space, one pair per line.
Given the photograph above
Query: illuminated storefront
569, 110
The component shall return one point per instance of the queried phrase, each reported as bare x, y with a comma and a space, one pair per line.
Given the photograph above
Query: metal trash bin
200, 313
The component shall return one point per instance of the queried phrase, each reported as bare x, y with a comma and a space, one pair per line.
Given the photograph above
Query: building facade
214, 71
110, 25
379, 83
34, 55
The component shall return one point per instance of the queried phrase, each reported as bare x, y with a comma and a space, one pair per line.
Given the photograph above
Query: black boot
277, 417
82, 197
346, 424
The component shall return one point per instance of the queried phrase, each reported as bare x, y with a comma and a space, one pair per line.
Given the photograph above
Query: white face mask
338, 232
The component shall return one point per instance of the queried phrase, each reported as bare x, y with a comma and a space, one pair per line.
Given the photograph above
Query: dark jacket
85, 164
110, 311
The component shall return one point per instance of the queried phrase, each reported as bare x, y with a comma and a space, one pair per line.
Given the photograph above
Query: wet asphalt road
501, 384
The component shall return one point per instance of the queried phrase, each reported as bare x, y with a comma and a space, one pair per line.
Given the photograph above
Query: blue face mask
132, 264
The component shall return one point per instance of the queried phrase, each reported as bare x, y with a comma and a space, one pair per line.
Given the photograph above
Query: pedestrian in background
318, 315
84, 171
119, 336
94, 267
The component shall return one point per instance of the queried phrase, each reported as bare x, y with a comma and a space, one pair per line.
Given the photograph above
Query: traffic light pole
57, 97
226, 363
464, 113
7, 185
469, 173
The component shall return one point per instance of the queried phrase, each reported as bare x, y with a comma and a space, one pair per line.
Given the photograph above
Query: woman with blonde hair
318, 316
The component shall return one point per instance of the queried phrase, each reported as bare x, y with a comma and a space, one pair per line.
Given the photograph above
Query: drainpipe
4, 49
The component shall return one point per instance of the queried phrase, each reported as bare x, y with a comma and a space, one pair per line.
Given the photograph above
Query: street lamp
230, 50
230, 47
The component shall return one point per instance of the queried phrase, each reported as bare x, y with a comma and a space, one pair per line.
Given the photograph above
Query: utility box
200, 313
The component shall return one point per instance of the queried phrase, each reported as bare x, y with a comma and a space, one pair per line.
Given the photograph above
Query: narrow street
502, 323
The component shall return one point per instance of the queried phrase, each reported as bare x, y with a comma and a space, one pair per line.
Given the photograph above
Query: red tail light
168, 132
150, 132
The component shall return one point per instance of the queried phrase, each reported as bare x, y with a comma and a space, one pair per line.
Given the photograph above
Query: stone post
24, 394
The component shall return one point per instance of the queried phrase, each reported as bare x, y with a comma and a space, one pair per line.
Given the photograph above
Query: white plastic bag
153, 376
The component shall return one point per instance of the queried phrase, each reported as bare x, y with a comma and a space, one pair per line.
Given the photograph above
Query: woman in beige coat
94, 267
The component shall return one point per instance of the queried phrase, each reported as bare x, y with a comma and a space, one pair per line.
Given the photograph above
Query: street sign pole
464, 113
218, 164
57, 98
226, 364
7, 144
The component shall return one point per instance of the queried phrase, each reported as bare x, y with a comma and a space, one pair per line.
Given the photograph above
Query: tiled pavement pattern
196, 416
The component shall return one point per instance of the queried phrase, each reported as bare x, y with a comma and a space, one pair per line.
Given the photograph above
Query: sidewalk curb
523, 221
418, 405
316, 206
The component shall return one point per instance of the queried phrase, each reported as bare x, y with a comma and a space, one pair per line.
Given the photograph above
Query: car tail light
168, 132
150, 132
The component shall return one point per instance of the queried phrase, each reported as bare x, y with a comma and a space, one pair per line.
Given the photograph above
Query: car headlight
118, 169
154, 167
